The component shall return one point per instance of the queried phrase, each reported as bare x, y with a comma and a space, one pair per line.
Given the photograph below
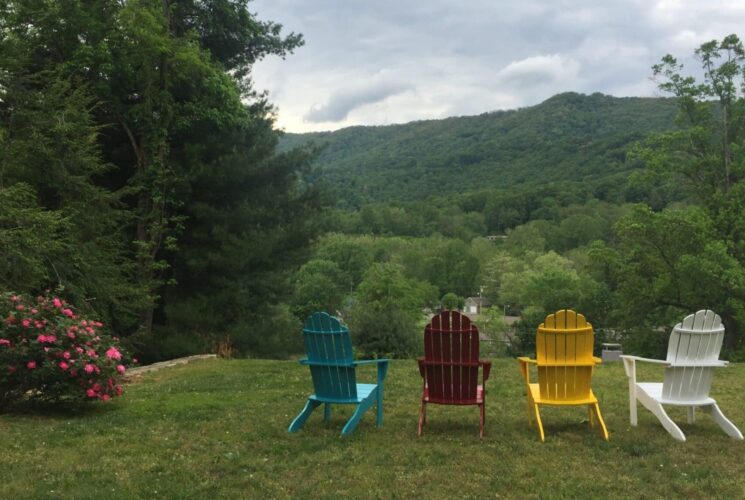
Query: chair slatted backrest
451, 353
697, 339
564, 344
330, 357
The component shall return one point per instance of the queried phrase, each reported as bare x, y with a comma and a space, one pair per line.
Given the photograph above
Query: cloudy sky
373, 62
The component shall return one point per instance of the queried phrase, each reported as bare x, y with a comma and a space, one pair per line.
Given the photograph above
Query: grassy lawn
219, 429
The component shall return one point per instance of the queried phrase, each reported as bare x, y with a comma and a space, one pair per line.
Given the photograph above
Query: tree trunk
730, 331
727, 150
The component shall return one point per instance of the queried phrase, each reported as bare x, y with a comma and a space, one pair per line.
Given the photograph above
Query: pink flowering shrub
47, 351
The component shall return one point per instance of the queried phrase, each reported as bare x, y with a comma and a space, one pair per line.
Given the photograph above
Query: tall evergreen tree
177, 134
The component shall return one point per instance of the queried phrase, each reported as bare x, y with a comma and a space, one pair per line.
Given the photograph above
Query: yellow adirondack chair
564, 359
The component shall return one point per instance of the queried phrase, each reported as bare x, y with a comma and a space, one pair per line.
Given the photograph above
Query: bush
49, 352
383, 321
451, 301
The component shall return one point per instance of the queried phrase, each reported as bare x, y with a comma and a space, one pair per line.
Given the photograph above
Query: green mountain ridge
568, 137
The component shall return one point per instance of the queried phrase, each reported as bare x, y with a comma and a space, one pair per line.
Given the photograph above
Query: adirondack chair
450, 366
565, 362
692, 356
334, 373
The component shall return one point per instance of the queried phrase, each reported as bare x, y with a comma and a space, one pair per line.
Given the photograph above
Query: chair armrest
308, 362
646, 360
382, 366
486, 364
597, 360
629, 365
719, 363
369, 361
420, 362
524, 370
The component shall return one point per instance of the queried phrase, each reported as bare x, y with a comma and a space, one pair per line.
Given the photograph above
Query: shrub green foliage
385, 315
451, 301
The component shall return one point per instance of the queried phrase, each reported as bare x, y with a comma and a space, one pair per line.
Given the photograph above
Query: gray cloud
539, 70
344, 101
471, 57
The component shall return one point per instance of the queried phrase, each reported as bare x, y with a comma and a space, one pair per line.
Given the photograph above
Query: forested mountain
567, 137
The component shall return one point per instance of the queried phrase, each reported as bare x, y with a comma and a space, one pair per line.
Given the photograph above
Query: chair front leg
422, 418
303, 415
482, 410
630, 367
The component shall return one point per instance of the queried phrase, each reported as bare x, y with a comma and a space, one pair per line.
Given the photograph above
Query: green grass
219, 429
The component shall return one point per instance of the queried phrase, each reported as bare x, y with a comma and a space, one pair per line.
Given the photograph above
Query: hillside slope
567, 137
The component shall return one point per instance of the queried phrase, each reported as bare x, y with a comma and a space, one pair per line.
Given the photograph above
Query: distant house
474, 305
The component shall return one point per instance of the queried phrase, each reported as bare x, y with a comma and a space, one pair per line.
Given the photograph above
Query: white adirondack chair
692, 356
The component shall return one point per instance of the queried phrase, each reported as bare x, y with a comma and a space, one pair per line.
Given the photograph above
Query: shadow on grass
57, 409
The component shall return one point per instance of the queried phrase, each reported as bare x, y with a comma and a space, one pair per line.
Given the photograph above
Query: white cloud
391, 61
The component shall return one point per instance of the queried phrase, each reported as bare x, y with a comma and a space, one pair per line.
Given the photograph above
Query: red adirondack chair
450, 366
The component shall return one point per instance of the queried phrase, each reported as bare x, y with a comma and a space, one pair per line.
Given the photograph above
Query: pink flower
92, 353
26, 323
89, 330
79, 350
31, 365
118, 389
74, 372
70, 335
15, 298
135, 360
89, 368
90, 393
66, 355
34, 311
84, 323
105, 397
63, 365
41, 339
121, 369
20, 307
57, 303
68, 312
4, 342
97, 387
113, 353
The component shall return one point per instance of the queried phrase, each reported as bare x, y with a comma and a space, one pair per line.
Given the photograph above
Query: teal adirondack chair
333, 369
